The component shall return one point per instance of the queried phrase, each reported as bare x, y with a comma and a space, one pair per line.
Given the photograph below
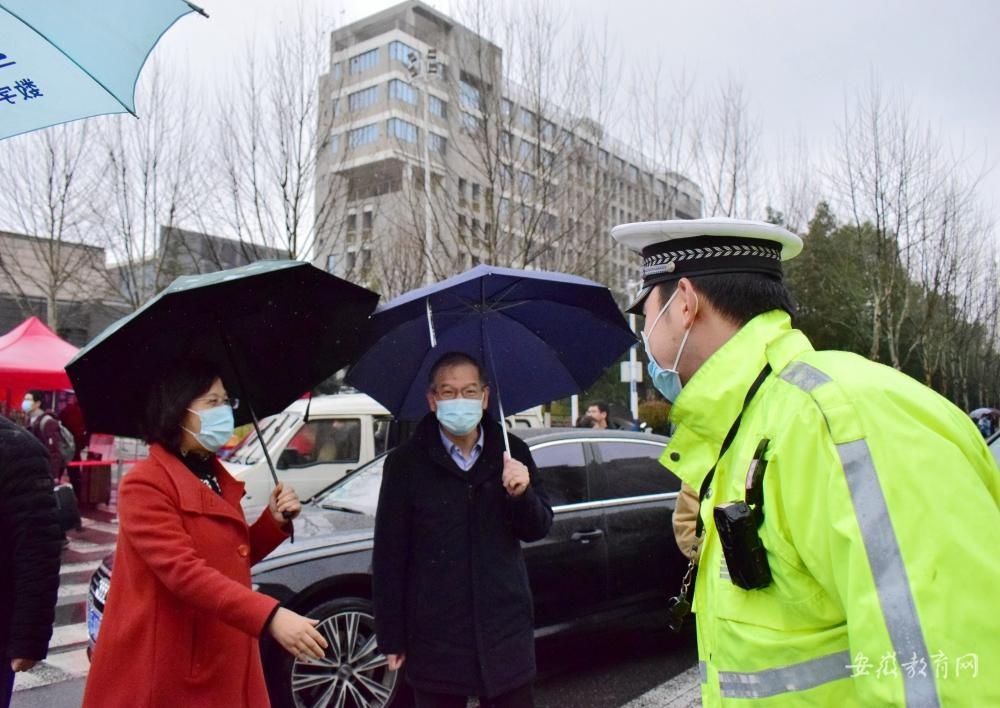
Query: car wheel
353, 674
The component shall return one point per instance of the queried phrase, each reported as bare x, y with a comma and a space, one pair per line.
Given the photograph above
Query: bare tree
913, 213
725, 152
152, 178
271, 139
47, 200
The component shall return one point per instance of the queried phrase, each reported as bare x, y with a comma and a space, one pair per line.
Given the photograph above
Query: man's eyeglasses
450, 394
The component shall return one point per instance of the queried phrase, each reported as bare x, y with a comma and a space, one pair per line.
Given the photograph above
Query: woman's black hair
170, 397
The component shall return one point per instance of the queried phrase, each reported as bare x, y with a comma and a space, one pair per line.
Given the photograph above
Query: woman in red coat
181, 623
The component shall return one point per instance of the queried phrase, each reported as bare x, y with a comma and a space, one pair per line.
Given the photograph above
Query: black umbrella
274, 329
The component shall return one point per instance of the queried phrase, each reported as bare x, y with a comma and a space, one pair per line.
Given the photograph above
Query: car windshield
250, 452
358, 491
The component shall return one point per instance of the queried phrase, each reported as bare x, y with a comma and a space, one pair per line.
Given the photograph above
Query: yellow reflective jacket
881, 524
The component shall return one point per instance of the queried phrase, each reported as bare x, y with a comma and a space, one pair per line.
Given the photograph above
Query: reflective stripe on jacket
880, 527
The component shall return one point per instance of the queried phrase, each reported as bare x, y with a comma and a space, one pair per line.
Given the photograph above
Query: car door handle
586, 536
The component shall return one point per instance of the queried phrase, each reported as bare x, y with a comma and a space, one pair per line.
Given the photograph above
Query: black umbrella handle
253, 418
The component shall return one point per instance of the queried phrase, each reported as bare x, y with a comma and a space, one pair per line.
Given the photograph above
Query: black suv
610, 554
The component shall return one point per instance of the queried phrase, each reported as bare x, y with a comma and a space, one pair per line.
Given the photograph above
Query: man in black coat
452, 600
30, 543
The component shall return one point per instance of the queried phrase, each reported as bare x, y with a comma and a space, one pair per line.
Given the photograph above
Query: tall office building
516, 180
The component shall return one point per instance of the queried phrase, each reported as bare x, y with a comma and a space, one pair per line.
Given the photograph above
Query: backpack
67, 444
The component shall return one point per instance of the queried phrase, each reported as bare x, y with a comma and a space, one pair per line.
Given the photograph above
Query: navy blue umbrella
541, 336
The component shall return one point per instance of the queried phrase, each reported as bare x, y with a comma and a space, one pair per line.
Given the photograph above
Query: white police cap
687, 248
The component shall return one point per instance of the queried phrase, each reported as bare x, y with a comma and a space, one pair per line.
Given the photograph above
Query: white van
344, 431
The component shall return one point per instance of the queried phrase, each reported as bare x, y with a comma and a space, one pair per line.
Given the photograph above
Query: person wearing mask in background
30, 543
848, 514
453, 607
45, 426
181, 622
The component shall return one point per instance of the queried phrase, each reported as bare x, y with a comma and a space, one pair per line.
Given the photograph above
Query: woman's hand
283, 504
297, 634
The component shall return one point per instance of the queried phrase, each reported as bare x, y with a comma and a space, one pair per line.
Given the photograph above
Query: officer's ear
689, 302
431, 401
486, 397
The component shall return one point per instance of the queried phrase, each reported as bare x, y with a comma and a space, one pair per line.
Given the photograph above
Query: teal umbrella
62, 60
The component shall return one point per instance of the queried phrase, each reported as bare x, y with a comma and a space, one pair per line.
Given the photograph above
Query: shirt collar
451, 447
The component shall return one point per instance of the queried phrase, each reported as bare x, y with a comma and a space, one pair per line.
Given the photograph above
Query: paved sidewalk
682, 691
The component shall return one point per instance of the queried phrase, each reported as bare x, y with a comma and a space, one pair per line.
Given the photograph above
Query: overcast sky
797, 59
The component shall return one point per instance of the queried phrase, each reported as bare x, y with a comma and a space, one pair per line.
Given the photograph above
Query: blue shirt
464, 463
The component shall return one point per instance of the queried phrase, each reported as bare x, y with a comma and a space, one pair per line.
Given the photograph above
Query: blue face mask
460, 416
666, 381
26, 406
216, 427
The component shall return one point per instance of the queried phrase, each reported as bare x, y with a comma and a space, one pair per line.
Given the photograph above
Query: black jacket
451, 587
30, 544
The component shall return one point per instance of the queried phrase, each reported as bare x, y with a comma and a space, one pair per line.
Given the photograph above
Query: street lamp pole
423, 69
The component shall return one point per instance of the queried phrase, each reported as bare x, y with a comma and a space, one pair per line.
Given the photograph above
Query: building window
360, 100
401, 52
527, 182
352, 222
331, 263
548, 159
436, 106
403, 130
527, 150
364, 135
548, 131
367, 219
468, 95
470, 122
335, 144
403, 91
363, 62
507, 142
438, 144
506, 107
633, 173
602, 158
475, 193
461, 190
336, 73
527, 119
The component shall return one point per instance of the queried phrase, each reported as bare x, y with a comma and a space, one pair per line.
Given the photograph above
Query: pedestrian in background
45, 426
181, 622
848, 514
30, 543
453, 606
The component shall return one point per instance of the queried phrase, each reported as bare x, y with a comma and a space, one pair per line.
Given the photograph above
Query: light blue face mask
460, 416
26, 405
666, 381
216, 427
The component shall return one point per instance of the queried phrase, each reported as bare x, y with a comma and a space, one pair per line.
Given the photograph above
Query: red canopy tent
32, 356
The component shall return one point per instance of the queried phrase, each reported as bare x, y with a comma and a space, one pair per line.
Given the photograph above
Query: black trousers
521, 697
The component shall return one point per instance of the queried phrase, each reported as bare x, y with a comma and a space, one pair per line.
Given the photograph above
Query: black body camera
742, 547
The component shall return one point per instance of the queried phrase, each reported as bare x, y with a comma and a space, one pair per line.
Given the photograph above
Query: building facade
63, 283
515, 179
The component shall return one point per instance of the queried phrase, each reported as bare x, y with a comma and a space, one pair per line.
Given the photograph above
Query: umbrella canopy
980, 412
280, 327
541, 336
33, 356
61, 60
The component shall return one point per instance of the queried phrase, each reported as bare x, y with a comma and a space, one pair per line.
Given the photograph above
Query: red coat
181, 623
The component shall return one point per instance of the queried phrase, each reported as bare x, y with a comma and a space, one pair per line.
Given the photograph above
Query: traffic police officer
849, 515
